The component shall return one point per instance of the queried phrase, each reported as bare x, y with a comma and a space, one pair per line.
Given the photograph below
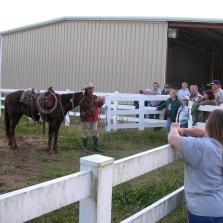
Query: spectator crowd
176, 106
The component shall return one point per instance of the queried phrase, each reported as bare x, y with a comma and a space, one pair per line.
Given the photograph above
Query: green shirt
171, 107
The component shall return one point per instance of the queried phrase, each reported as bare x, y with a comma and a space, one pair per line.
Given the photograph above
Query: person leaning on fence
90, 117
155, 90
171, 106
202, 151
218, 92
207, 99
183, 113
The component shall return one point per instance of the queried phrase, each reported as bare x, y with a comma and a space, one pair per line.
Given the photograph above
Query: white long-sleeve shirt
182, 115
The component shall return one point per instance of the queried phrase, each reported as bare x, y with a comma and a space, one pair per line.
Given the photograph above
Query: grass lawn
34, 165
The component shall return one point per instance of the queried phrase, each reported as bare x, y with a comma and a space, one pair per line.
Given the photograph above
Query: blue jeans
185, 125
168, 124
203, 219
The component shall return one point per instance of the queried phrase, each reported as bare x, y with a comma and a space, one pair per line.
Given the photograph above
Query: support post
97, 208
141, 114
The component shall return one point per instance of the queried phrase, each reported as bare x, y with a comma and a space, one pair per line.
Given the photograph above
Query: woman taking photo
202, 151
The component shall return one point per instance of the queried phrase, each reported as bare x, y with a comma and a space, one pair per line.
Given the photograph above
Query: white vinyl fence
118, 110
120, 116
92, 186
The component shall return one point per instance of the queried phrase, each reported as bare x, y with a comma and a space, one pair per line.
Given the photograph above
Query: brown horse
14, 110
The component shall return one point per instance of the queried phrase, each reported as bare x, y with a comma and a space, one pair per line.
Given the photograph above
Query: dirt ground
32, 164
15, 168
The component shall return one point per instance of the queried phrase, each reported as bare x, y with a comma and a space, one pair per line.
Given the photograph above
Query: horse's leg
50, 136
13, 124
56, 131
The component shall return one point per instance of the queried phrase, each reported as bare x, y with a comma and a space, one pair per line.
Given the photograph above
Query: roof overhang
173, 20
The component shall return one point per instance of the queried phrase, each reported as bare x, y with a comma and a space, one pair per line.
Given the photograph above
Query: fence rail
159, 209
31, 202
92, 186
128, 168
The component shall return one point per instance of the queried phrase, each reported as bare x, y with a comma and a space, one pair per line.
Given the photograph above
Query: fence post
97, 208
141, 113
115, 109
107, 113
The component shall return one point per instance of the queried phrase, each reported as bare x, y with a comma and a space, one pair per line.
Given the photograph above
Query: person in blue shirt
202, 151
184, 91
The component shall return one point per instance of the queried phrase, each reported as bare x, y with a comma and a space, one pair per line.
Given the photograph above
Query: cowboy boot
96, 146
84, 143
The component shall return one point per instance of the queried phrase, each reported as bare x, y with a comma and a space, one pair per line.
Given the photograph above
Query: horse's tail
7, 122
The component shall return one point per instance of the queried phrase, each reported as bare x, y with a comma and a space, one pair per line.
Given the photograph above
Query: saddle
29, 97
37, 103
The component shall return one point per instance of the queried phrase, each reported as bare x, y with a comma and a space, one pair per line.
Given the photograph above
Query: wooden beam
196, 25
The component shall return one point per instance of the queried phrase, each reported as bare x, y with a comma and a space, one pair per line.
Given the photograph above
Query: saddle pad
29, 97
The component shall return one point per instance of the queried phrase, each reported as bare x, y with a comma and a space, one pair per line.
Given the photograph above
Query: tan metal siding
114, 55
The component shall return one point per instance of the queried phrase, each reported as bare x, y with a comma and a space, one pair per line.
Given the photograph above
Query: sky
18, 13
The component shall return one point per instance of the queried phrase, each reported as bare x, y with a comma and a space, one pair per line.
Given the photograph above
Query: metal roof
104, 18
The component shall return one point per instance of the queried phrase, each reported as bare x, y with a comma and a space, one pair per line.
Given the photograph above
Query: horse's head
77, 98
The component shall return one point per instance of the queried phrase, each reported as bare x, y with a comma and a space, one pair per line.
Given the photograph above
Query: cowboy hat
89, 86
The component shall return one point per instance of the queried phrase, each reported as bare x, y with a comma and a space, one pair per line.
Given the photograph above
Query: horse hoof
50, 152
12, 147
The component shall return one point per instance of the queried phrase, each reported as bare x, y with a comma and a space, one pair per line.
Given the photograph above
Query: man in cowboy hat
90, 116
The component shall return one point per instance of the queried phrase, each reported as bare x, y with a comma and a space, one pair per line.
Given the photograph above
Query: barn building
124, 54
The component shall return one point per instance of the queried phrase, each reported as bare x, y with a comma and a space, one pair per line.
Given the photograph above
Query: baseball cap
217, 82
